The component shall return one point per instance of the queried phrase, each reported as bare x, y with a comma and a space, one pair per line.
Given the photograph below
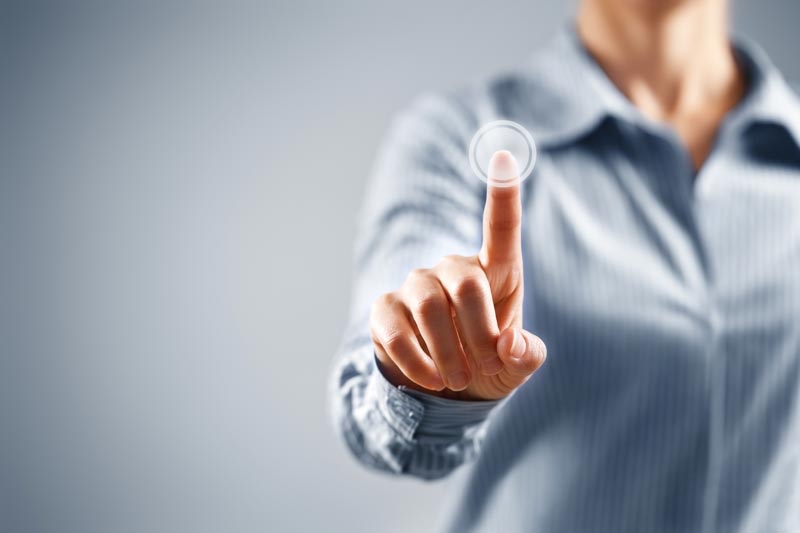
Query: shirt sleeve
422, 204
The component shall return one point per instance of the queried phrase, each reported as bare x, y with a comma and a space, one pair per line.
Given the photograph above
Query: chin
656, 6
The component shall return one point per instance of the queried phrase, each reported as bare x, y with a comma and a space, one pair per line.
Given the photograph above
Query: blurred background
179, 186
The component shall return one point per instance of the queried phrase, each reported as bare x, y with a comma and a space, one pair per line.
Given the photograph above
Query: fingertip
430, 385
522, 351
511, 345
503, 169
458, 380
536, 347
435, 382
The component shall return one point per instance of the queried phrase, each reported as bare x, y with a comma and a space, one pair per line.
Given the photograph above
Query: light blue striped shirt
669, 301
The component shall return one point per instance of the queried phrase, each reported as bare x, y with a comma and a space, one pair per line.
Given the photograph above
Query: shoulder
459, 112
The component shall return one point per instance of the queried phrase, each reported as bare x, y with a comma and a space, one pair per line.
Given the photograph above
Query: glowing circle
502, 135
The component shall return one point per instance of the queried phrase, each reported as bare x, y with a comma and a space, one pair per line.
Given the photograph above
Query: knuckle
506, 222
417, 276
480, 349
395, 340
514, 274
428, 304
452, 260
379, 307
384, 301
470, 287
484, 353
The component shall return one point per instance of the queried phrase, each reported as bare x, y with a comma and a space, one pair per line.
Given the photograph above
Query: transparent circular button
502, 135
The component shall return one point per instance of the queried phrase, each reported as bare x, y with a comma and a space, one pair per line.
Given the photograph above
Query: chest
632, 256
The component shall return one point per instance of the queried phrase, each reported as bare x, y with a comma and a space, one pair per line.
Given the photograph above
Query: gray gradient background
178, 199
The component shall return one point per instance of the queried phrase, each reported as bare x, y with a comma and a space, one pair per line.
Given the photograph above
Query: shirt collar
770, 99
574, 95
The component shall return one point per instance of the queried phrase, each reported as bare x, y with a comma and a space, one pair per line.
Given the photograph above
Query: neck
669, 57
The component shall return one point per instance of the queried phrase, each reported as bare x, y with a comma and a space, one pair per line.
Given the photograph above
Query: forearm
401, 431
419, 206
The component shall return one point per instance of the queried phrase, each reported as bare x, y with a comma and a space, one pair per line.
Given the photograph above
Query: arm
394, 410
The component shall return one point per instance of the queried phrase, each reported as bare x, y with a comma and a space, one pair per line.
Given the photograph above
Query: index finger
502, 215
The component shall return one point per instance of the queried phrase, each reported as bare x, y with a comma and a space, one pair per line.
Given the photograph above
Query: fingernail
458, 380
503, 167
518, 345
491, 366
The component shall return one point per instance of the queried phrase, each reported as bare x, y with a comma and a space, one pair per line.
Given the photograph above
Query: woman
655, 250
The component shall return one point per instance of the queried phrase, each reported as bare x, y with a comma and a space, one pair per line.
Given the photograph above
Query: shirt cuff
415, 414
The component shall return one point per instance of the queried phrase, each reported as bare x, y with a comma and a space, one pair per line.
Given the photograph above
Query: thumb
521, 351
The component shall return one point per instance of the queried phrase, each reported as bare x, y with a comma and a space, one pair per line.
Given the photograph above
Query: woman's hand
455, 330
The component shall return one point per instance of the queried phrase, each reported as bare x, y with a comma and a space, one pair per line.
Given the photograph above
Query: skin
455, 330
671, 58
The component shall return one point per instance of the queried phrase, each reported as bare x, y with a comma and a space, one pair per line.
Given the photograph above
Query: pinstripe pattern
669, 302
